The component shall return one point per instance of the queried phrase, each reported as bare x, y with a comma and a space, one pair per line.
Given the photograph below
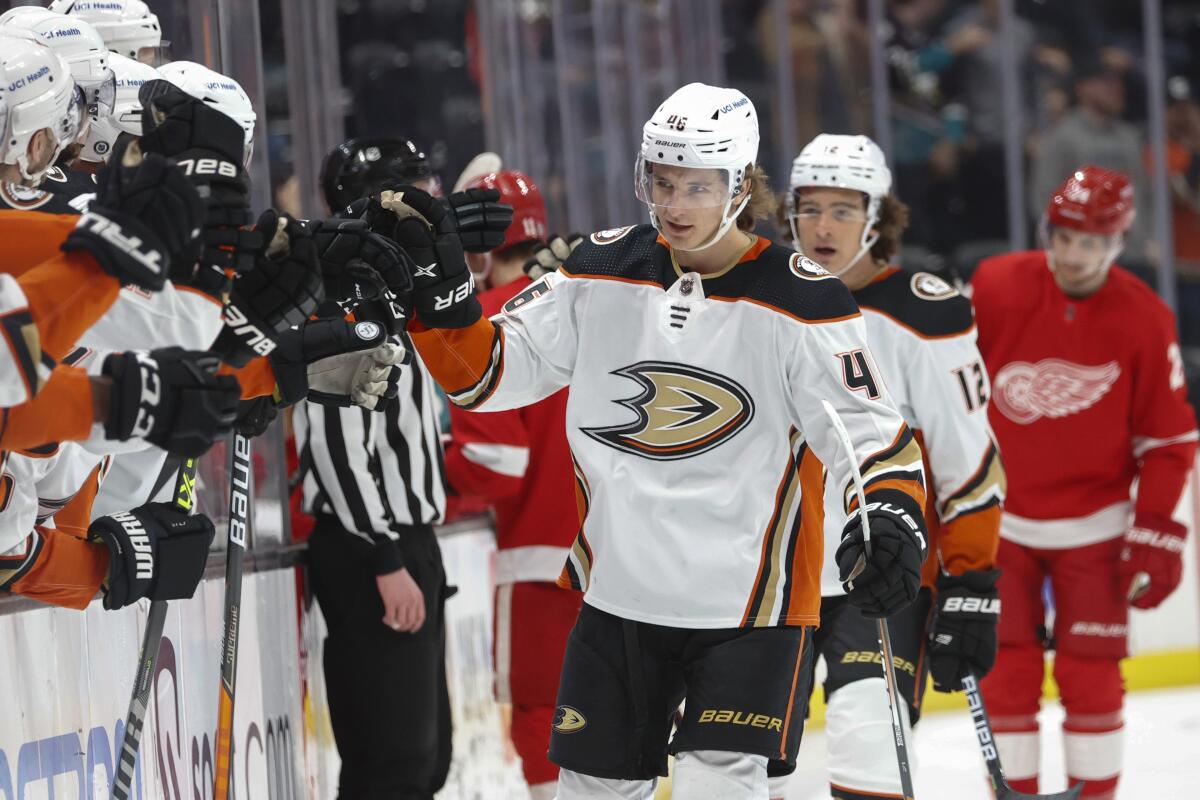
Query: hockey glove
154, 551
550, 256
255, 415
1154, 551
172, 398
358, 264
480, 219
887, 580
338, 363
143, 225
210, 148
282, 290
963, 638
442, 295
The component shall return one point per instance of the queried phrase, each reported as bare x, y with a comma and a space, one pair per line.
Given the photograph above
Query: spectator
1183, 167
1094, 133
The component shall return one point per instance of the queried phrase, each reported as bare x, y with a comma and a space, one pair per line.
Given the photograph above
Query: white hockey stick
881, 626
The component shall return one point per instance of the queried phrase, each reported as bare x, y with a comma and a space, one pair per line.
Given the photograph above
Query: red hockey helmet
1093, 200
529, 210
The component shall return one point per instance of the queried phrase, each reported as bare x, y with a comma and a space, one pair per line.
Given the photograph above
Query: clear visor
155, 55
101, 96
670, 186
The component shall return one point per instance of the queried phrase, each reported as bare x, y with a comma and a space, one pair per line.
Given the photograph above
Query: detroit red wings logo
1050, 388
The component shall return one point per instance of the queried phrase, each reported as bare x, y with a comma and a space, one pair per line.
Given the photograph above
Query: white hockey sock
577, 786
1020, 753
717, 775
778, 786
543, 791
858, 734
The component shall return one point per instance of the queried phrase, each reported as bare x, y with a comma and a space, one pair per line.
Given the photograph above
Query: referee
375, 482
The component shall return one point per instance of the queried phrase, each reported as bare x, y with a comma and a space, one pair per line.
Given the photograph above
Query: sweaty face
689, 203
1080, 261
830, 224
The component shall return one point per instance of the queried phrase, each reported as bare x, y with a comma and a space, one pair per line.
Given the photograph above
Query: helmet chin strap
866, 242
727, 220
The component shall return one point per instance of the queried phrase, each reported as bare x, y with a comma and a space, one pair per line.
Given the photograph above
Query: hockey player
126, 116
128, 27
842, 215
697, 356
362, 166
519, 462
1088, 395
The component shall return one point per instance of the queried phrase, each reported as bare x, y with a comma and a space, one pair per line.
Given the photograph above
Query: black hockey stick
239, 528
881, 626
184, 500
991, 756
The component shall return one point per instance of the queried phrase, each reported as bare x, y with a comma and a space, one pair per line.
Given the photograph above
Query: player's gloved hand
550, 256
963, 638
210, 147
338, 363
358, 264
480, 218
887, 580
1151, 564
255, 415
172, 398
154, 551
143, 225
282, 290
442, 295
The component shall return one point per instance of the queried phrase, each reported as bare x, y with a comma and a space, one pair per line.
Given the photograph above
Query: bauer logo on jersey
807, 268
1051, 388
681, 411
931, 287
611, 235
568, 720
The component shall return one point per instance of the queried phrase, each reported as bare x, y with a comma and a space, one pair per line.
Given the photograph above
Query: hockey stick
239, 527
881, 626
987, 743
184, 500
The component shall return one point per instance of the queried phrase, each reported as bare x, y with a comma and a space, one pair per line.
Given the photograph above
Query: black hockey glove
154, 551
963, 638
550, 256
338, 363
480, 218
889, 578
143, 225
442, 295
358, 264
282, 290
172, 398
210, 147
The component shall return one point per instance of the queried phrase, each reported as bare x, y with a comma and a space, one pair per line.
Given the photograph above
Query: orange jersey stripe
67, 294
458, 358
61, 412
67, 572
31, 237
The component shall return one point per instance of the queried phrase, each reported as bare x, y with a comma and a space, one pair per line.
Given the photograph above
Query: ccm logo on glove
111, 232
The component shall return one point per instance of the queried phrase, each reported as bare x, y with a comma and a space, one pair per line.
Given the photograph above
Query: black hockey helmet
358, 167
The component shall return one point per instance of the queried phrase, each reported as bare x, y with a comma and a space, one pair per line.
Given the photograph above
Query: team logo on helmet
1051, 388
611, 235
807, 269
568, 720
931, 287
681, 411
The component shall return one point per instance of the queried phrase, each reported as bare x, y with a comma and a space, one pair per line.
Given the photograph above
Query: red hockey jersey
519, 462
1086, 396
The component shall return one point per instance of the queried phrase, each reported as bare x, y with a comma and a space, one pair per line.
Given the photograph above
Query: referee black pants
387, 691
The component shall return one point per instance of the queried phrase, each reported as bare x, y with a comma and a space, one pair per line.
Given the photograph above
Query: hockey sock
717, 775
1093, 732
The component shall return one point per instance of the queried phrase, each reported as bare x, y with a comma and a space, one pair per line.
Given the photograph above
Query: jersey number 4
856, 373
973, 385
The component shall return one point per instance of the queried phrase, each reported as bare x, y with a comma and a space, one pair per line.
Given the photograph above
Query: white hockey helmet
219, 91
128, 27
700, 127
79, 44
37, 93
127, 109
842, 162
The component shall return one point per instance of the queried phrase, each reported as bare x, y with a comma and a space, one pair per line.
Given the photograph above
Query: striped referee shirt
379, 473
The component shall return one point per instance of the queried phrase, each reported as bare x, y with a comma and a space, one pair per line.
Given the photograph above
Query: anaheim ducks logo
611, 235
568, 720
806, 268
1051, 388
22, 198
681, 411
931, 287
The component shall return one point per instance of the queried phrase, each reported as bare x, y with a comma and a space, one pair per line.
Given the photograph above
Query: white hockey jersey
922, 334
695, 422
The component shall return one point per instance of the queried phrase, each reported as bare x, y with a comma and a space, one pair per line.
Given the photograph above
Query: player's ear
41, 148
